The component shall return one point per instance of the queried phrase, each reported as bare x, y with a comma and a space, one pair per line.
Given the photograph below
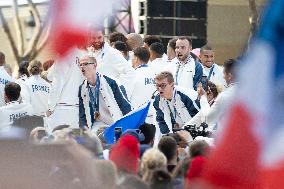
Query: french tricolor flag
71, 19
250, 150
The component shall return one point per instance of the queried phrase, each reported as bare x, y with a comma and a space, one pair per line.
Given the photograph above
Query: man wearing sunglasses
101, 100
174, 106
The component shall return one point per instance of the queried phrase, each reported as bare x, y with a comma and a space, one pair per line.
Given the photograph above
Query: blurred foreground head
125, 154
64, 166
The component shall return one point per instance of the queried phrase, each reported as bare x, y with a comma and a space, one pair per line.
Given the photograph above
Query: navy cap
136, 133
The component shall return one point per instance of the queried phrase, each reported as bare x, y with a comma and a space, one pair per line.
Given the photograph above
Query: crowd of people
73, 99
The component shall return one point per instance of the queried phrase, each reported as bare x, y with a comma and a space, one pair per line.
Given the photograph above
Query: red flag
71, 20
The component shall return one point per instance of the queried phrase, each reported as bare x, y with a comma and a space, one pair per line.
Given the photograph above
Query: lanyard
173, 116
179, 65
210, 72
95, 97
173, 120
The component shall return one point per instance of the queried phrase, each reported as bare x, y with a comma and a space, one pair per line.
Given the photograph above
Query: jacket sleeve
126, 72
204, 105
58, 80
25, 93
188, 103
120, 98
198, 74
82, 114
217, 109
160, 117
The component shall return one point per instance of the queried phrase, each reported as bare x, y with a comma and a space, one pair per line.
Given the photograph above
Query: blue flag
132, 120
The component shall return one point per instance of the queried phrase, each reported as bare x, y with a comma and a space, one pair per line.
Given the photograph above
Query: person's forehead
87, 60
82, 61
207, 52
96, 33
182, 42
162, 81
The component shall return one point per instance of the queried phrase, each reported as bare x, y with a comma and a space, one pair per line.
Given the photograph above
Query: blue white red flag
250, 150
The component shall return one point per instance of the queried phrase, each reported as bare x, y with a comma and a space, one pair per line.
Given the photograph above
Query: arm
188, 103
198, 74
121, 99
58, 81
82, 114
213, 114
204, 105
25, 93
125, 71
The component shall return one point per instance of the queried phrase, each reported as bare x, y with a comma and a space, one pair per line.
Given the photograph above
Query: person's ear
95, 65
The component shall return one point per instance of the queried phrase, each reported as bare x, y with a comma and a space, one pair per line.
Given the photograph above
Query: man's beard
97, 46
182, 58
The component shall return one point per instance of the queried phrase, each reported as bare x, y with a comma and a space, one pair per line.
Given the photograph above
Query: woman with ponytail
35, 89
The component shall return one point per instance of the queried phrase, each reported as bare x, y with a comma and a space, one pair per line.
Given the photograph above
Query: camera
195, 131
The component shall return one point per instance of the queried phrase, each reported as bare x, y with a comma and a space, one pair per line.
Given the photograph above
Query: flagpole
106, 27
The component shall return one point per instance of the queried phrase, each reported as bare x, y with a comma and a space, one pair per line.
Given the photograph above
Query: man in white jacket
174, 106
101, 100
187, 72
63, 103
110, 61
144, 81
13, 109
157, 62
213, 72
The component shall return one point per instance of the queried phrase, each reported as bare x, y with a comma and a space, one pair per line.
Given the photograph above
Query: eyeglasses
86, 63
162, 86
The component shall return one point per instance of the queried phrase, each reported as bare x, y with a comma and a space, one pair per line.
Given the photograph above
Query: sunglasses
162, 86
86, 63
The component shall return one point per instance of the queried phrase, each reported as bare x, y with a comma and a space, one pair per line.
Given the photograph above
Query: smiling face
96, 39
207, 58
183, 49
165, 88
